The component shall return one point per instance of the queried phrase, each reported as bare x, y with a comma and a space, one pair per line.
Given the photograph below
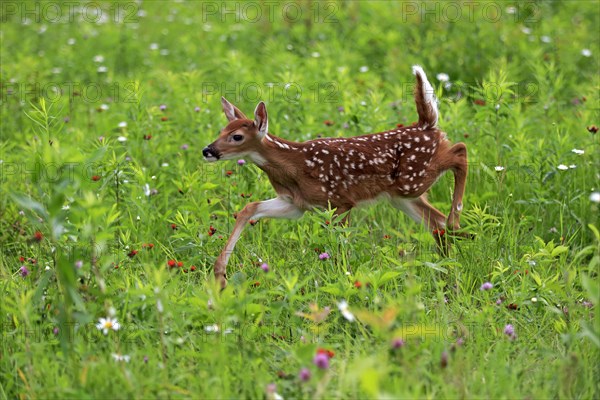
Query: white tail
402, 163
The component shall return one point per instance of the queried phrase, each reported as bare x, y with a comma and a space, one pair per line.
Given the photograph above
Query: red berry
96, 178
171, 263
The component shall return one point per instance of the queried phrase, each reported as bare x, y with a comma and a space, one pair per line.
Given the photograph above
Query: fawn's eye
237, 138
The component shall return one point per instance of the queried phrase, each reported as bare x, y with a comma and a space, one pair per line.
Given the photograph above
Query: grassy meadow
110, 220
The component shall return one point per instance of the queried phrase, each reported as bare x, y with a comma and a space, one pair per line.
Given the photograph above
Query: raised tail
425, 99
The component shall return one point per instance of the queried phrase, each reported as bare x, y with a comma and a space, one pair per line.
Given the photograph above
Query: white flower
545, 39
526, 30
511, 10
572, 166
47, 268
534, 299
577, 151
159, 306
71, 41
122, 139
147, 189
164, 52
364, 68
105, 324
164, 164
499, 168
104, 107
56, 70
586, 52
316, 54
212, 328
153, 46
442, 77
343, 307
595, 197
112, 312
122, 124
102, 69
121, 357
562, 167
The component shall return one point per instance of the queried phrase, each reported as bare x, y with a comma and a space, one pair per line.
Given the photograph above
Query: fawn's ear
260, 119
231, 112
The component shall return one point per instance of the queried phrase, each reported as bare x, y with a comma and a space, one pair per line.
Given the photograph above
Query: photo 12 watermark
94, 12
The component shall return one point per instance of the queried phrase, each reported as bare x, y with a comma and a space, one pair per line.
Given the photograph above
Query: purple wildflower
163, 107
78, 264
55, 331
324, 256
184, 146
509, 331
341, 109
304, 374
321, 360
241, 161
101, 139
498, 302
265, 267
397, 343
146, 359
486, 286
23, 271
197, 109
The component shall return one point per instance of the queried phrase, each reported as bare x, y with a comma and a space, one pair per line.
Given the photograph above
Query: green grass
522, 97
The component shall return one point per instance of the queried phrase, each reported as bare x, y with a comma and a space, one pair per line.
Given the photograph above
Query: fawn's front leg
276, 208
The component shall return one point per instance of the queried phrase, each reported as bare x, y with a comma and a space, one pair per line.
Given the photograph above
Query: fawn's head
241, 136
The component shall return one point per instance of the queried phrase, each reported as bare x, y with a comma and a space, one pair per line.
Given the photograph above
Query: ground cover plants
110, 221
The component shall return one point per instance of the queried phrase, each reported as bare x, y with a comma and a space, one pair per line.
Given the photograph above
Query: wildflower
593, 129
439, 232
145, 359
78, 264
23, 271
171, 263
121, 357
315, 54
38, 236
101, 139
328, 122
96, 178
443, 77
212, 230
324, 256
341, 109
595, 197
147, 137
444, 359
546, 39
304, 374
486, 286
132, 253
265, 267
241, 162
526, 30
193, 268
122, 124
197, 109
105, 324
509, 331
163, 107
498, 302
586, 52
343, 307
174, 227
328, 353
460, 341
577, 151
179, 264
272, 393
357, 284
66, 119
184, 146
102, 69
562, 167
212, 328
99, 58
153, 46
228, 173
363, 69
534, 299
397, 343
499, 168
321, 361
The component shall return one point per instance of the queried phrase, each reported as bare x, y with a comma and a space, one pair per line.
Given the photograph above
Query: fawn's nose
210, 154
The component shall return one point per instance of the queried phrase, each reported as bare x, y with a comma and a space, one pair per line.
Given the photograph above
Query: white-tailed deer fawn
401, 164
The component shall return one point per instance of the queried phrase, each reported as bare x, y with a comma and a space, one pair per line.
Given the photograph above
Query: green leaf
559, 250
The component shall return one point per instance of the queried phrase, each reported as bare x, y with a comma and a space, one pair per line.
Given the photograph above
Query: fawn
400, 164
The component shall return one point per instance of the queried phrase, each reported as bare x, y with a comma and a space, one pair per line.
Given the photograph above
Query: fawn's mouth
210, 154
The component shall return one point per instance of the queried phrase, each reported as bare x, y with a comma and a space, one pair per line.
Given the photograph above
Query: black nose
206, 152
